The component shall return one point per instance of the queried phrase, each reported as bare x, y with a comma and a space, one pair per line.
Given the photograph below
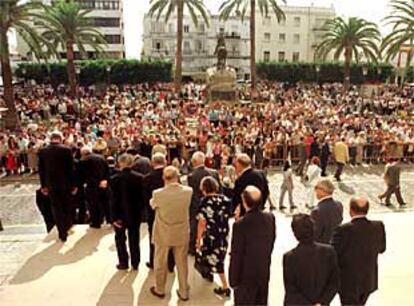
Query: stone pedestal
221, 85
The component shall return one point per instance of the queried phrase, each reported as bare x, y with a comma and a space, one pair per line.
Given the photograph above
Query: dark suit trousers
339, 169
250, 295
62, 209
393, 190
171, 261
354, 300
133, 242
98, 205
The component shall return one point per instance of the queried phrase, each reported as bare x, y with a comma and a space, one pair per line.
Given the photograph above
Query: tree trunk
253, 44
11, 120
347, 68
179, 52
70, 67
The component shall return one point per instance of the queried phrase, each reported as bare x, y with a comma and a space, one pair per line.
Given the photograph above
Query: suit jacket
127, 197
325, 153
392, 174
171, 205
194, 180
327, 216
357, 244
152, 181
311, 274
251, 249
95, 169
250, 177
303, 156
341, 152
56, 168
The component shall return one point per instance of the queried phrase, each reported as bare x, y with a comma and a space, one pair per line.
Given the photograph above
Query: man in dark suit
248, 176
392, 180
127, 207
310, 271
324, 156
96, 175
194, 178
328, 213
251, 249
142, 165
357, 244
303, 157
153, 181
56, 171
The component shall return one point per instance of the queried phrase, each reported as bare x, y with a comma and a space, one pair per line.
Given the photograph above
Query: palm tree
14, 14
402, 21
166, 8
240, 7
349, 38
65, 25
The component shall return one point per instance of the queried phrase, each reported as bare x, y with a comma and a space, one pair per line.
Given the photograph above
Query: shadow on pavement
119, 290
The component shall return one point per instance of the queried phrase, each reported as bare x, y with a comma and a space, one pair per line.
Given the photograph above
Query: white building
294, 39
199, 43
107, 16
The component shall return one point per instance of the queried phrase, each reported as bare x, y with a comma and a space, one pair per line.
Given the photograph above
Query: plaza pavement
41, 271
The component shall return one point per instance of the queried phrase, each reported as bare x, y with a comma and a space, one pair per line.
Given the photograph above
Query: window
296, 38
295, 57
282, 37
296, 21
113, 39
266, 56
202, 28
199, 45
187, 47
221, 30
267, 36
186, 29
281, 56
157, 44
106, 22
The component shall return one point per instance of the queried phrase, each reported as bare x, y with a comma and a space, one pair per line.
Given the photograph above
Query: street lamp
317, 69
365, 70
78, 71
108, 75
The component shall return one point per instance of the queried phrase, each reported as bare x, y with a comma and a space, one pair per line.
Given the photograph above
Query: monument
221, 79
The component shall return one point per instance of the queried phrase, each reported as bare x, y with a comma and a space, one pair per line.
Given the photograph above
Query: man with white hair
328, 213
194, 179
170, 232
251, 251
95, 174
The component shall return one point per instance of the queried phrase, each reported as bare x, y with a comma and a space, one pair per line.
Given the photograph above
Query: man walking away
310, 271
56, 171
392, 180
357, 244
127, 208
251, 250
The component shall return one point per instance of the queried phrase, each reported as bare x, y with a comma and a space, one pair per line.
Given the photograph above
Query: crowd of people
123, 158
285, 118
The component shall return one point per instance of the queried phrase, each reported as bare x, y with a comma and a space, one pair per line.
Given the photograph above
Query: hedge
329, 72
95, 71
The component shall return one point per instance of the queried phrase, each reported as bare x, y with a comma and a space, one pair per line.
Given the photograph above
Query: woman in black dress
213, 230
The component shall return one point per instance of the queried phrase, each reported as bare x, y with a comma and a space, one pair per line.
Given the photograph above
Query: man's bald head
358, 206
252, 197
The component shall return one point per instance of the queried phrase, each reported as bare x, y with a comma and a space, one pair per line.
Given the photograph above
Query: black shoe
121, 267
171, 269
135, 267
63, 238
159, 295
388, 204
94, 226
272, 207
182, 298
310, 206
149, 265
192, 253
209, 277
282, 207
293, 207
403, 205
223, 292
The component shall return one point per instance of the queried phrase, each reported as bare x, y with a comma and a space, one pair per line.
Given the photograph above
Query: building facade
292, 40
107, 18
199, 43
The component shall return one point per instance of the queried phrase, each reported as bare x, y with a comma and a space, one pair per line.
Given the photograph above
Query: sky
134, 10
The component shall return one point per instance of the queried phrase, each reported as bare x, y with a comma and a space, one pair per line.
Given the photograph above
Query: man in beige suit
341, 154
171, 231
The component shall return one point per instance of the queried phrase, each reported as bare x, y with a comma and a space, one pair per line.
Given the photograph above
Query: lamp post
318, 70
78, 71
108, 75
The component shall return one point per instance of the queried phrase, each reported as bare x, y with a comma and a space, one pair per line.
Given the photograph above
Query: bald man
251, 249
357, 245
